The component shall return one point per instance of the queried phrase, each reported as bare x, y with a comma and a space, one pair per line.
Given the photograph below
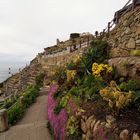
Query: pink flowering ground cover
58, 122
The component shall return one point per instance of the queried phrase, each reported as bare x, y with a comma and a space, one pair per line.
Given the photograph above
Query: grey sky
27, 26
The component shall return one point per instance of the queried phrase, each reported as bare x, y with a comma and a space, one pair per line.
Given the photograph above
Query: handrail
126, 4
112, 22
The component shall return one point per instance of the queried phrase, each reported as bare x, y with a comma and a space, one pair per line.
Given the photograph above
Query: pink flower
58, 122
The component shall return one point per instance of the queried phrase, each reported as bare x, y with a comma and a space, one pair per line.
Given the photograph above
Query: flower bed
58, 122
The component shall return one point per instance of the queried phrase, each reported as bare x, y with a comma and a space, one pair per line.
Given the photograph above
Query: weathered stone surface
83, 126
124, 134
131, 43
138, 31
138, 41
3, 120
127, 30
96, 125
135, 136
127, 66
110, 119
89, 121
119, 52
92, 124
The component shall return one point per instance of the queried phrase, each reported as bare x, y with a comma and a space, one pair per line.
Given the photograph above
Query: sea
6, 70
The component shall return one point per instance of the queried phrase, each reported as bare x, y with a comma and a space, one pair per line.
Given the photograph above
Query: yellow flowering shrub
70, 74
77, 59
114, 96
98, 69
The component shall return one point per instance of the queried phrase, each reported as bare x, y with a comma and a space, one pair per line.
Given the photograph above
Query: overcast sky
27, 26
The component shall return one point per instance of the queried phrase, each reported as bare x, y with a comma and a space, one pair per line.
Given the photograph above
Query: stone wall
124, 41
125, 37
50, 63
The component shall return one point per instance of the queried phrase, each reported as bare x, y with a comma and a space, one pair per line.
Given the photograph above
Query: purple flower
58, 122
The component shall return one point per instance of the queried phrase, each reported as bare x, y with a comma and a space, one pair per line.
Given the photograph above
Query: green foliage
135, 100
115, 74
131, 85
78, 81
71, 66
30, 96
88, 80
16, 111
64, 101
72, 126
62, 104
116, 98
40, 79
57, 109
91, 81
9, 102
57, 94
74, 91
60, 75
97, 53
74, 35
50, 129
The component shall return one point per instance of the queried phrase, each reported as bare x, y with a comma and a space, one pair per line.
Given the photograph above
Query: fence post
88, 41
3, 120
21, 100
108, 27
96, 34
134, 4
103, 32
117, 17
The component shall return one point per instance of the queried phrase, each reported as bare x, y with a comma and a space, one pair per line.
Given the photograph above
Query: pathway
33, 125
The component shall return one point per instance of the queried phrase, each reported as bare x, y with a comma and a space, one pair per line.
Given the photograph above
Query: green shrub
30, 96
15, 113
57, 109
97, 53
60, 75
88, 80
136, 100
9, 103
72, 126
39, 80
131, 85
50, 129
74, 91
71, 66
57, 94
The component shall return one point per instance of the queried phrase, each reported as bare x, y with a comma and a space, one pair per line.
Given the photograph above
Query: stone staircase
20, 81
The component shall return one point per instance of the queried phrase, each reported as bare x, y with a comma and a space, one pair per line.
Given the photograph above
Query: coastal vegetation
17, 105
92, 99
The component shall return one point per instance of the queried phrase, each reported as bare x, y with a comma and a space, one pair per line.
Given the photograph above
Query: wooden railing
130, 5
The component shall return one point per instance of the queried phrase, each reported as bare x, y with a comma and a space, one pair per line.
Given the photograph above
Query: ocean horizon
14, 68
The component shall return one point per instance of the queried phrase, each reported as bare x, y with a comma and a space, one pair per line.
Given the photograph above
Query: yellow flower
98, 68
71, 74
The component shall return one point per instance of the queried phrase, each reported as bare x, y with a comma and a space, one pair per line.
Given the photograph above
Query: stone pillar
3, 120
21, 99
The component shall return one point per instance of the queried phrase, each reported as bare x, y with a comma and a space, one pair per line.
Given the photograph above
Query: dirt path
32, 126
